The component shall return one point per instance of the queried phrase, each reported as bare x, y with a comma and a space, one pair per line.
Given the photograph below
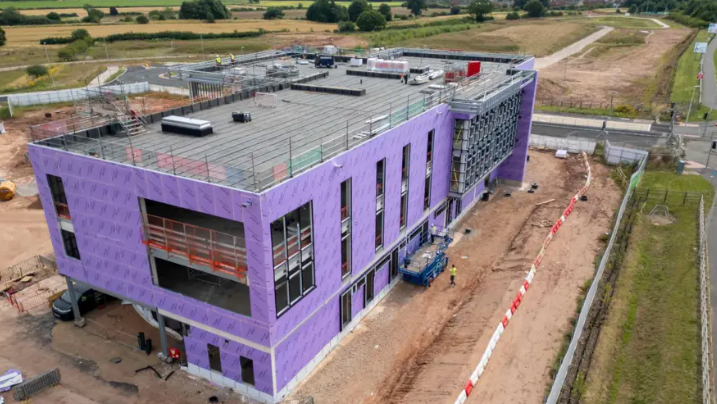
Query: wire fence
705, 334
667, 197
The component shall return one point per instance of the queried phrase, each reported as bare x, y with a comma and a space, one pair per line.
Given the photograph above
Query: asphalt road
709, 87
138, 74
637, 140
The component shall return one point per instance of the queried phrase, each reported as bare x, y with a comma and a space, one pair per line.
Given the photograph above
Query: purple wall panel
107, 224
513, 168
293, 353
322, 185
380, 279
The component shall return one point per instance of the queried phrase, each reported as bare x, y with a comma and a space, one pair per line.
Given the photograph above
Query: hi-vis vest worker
231, 55
453, 271
219, 61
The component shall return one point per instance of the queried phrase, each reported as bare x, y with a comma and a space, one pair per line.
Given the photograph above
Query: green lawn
8, 77
649, 348
623, 22
688, 66
67, 76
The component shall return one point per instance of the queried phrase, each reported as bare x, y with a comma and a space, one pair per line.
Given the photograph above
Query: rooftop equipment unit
186, 126
324, 61
242, 117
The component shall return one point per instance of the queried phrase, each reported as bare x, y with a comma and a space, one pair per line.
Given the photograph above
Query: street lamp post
689, 110
49, 68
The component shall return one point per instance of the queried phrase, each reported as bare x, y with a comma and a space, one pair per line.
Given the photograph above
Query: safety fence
71, 95
23, 268
667, 197
574, 145
705, 335
622, 155
37, 295
567, 360
605, 123
473, 380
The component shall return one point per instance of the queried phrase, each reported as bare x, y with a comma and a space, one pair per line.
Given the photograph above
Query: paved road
542, 63
709, 87
138, 74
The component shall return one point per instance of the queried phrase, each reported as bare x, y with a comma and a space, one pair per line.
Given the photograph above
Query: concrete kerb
630, 132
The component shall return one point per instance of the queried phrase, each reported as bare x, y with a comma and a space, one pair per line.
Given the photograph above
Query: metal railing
220, 251
705, 334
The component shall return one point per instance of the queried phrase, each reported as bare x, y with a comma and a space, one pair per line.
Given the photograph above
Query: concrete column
164, 355
79, 321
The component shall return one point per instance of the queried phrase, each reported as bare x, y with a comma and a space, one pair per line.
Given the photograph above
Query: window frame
429, 170
380, 194
405, 175
73, 248
217, 358
346, 193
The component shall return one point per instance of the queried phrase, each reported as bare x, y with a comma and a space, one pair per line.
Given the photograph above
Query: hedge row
178, 35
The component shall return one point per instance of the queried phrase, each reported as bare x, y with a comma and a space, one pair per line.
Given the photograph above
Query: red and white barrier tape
473, 380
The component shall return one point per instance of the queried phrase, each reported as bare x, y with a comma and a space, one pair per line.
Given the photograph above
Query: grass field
648, 349
688, 66
65, 76
623, 22
535, 37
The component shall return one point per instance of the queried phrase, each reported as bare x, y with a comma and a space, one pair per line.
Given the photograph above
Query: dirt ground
420, 345
622, 73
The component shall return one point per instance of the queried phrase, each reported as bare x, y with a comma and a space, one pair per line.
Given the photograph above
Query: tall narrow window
404, 185
247, 370
215, 361
292, 242
429, 172
57, 189
345, 228
345, 308
70, 242
380, 181
368, 290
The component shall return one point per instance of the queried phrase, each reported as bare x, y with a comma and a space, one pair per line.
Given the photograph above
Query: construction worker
219, 61
453, 271
231, 55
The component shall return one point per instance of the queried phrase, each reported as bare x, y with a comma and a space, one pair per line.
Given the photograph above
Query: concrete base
511, 183
80, 322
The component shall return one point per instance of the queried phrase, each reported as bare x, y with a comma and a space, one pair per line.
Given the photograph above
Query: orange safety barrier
214, 249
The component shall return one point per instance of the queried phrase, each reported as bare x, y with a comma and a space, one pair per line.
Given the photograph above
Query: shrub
416, 6
113, 11
210, 17
93, 15
142, 19
79, 34
66, 54
300, 7
127, 19
455, 10
347, 26
625, 110
2, 37
513, 15
10, 16
370, 20
554, 13
36, 71
479, 9
385, 10
53, 16
273, 13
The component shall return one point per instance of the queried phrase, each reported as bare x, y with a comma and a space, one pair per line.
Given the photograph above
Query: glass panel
280, 272
282, 297
345, 308
380, 171
294, 287
345, 265
307, 254
277, 241
345, 226
294, 263
379, 203
369, 286
379, 229
307, 277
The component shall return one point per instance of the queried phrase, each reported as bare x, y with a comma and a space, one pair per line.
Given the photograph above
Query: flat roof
302, 126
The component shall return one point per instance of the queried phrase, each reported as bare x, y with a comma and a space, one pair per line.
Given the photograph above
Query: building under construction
265, 219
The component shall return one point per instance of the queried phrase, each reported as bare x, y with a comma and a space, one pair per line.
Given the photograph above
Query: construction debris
147, 368
544, 202
9, 379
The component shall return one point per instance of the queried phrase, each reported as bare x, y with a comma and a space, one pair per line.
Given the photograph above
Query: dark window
57, 189
215, 361
70, 242
380, 178
368, 294
404, 185
345, 228
345, 308
247, 370
292, 241
429, 172
427, 194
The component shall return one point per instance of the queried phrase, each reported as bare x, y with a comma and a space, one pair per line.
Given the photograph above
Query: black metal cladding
481, 143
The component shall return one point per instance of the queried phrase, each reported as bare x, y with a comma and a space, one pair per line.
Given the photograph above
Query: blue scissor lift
423, 265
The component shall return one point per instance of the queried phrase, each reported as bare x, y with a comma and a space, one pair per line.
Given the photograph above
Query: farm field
68, 4
538, 37
31, 35
65, 76
648, 347
624, 22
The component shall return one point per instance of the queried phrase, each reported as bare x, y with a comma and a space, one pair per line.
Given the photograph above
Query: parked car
87, 300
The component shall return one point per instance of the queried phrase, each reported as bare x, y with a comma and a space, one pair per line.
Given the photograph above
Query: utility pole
49, 68
689, 110
107, 53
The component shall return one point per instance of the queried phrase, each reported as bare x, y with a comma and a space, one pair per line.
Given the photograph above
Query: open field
625, 22
621, 70
26, 35
419, 345
648, 347
536, 37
